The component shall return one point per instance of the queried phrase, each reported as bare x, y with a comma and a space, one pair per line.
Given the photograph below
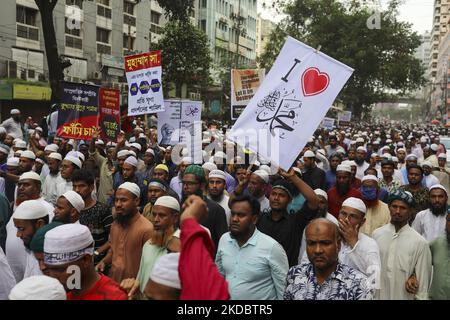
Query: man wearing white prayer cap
164, 282
431, 222
7, 280
13, 125
128, 222
165, 238
67, 168
358, 250
71, 245
176, 182
428, 179
68, 207
53, 179
136, 148
220, 159
26, 161
28, 217
257, 185
149, 163
121, 156
361, 164
38, 287
433, 155
208, 167
216, 191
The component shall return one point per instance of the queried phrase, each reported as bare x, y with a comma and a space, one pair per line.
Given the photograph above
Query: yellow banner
25, 92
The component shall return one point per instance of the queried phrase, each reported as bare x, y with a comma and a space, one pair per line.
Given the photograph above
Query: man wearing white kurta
7, 280
403, 252
430, 223
53, 179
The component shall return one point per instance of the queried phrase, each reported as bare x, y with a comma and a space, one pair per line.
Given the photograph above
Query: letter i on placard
285, 78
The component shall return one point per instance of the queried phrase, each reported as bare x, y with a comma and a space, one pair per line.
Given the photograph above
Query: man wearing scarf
377, 214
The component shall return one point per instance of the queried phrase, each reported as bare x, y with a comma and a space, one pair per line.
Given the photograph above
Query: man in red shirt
68, 257
342, 190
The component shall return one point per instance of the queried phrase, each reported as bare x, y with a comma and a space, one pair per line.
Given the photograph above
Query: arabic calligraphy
191, 111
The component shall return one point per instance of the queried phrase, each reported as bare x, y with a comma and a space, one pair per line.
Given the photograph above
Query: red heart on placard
314, 82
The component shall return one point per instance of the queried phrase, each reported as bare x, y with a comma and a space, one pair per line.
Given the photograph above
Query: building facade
264, 28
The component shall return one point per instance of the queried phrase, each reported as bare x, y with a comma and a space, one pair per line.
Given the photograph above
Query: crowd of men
362, 214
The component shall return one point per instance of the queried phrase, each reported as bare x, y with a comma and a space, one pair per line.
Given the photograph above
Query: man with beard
165, 238
29, 216
401, 155
342, 190
130, 225
313, 176
361, 163
12, 169
278, 223
150, 163
156, 189
13, 124
432, 158
430, 223
253, 263
220, 159
68, 207
429, 179
325, 278
330, 175
53, 178
440, 251
194, 184
176, 182
256, 183
216, 188
410, 159
419, 193
68, 166
403, 253
377, 214
388, 181
333, 147
71, 247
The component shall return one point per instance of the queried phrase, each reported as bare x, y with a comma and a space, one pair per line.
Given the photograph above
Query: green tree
185, 55
383, 58
177, 10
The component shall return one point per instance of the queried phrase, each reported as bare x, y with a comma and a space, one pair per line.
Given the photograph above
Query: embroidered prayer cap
309, 154
404, 196
4, 148
75, 200
12, 162
20, 144
162, 167
51, 147
434, 147
123, 153
284, 185
132, 187
197, 171
168, 202
355, 203
37, 242
67, 243
30, 210
427, 164
29, 175
322, 193
263, 175
132, 153
442, 156
361, 149
438, 186
38, 288
136, 145
344, 168
187, 160
151, 151
158, 183
132, 161
76, 161
15, 111
209, 166
165, 271
28, 154
55, 155
411, 157
217, 174
369, 177
265, 168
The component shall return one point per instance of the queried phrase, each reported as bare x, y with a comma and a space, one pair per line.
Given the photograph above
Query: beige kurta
376, 217
106, 178
402, 253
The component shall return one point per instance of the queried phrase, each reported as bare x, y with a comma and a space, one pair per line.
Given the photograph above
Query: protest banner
109, 115
327, 123
344, 118
290, 104
145, 93
244, 84
78, 112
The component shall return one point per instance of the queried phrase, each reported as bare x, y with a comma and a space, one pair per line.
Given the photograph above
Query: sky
417, 12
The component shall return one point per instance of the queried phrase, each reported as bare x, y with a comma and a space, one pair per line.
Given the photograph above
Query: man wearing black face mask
377, 214
13, 125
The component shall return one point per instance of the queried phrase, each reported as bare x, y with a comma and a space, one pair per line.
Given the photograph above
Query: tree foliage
177, 10
383, 58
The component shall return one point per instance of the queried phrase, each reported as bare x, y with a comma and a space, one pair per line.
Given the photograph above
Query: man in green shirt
440, 250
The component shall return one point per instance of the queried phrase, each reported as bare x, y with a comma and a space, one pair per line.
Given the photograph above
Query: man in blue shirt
254, 264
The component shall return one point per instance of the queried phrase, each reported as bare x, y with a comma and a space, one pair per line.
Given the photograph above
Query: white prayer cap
20, 144
76, 161
2, 130
4, 150
266, 168
132, 139
15, 111
427, 164
369, 177
52, 147
55, 155
132, 187
423, 139
71, 142
38, 288
30, 210
123, 153
206, 141
434, 147
165, 271
75, 200
168, 202
220, 154
142, 136
30, 175
395, 159
388, 136
99, 142
362, 149
217, 174
401, 149
374, 155
311, 140
442, 156
28, 154
388, 141
67, 243
322, 152
352, 163
12, 162
376, 142
209, 166
355, 203
40, 160
322, 193
309, 154
39, 129
132, 153
439, 186
360, 140
344, 168
187, 160
132, 161
111, 144
263, 175
411, 157
400, 144
136, 145
151, 151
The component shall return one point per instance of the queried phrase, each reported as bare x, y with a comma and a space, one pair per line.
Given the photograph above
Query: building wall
264, 29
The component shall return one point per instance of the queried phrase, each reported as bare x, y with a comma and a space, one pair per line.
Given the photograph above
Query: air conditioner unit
11, 71
97, 75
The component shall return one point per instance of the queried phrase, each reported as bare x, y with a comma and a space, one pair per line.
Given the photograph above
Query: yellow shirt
376, 217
